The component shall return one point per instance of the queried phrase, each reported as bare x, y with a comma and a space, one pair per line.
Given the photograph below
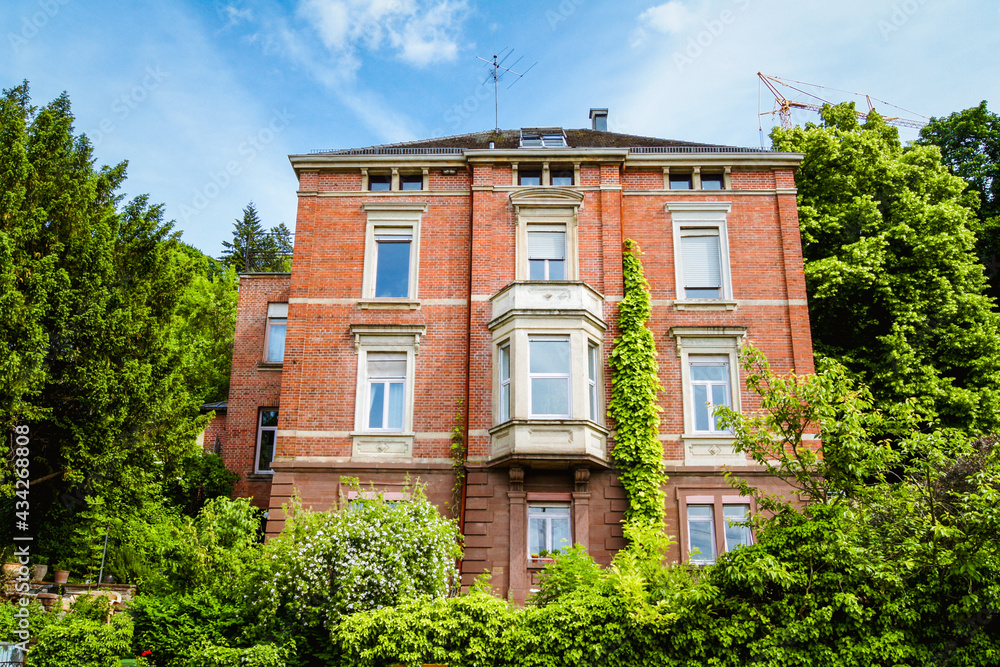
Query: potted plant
10, 565
62, 573
543, 556
38, 571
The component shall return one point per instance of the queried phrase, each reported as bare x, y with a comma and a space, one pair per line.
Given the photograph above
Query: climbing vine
458, 454
634, 385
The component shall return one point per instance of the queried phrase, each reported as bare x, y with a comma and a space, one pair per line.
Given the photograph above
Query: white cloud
420, 32
669, 18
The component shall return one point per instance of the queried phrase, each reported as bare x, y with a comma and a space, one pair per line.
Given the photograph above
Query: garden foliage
84, 638
891, 561
896, 290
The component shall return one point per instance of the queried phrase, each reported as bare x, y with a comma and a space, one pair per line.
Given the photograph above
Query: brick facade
471, 295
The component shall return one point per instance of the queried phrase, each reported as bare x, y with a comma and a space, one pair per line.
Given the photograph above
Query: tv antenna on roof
496, 65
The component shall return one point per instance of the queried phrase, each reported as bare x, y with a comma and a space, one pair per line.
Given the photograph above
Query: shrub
368, 555
261, 655
170, 625
78, 641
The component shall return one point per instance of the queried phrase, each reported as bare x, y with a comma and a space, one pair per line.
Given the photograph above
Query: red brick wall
250, 387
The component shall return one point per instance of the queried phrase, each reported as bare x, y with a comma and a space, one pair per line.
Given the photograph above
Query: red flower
146, 654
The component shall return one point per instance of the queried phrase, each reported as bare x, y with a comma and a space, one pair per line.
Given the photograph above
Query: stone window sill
397, 304
704, 304
268, 366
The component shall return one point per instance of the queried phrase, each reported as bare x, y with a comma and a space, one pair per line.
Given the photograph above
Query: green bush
196, 479
171, 625
211, 550
367, 555
261, 655
78, 641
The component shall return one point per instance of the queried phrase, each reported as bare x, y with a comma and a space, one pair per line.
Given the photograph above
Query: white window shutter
546, 245
701, 261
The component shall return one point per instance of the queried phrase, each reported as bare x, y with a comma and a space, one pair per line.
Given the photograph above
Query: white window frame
701, 343
690, 218
368, 339
568, 376
260, 431
386, 381
548, 208
277, 313
504, 383
549, 229
390, 219
538, 516
709, 361
594, 367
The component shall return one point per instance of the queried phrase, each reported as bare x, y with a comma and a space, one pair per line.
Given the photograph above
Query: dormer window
549, 138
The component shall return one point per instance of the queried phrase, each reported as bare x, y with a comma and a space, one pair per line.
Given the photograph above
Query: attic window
542, 139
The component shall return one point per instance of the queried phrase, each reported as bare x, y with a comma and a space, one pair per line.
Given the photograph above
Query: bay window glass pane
592, 380
701, 533
504, 383
736, 534
379, 182
392, 268
550, 396
550, 356
266, 453
276, 341
396, 405
376, 405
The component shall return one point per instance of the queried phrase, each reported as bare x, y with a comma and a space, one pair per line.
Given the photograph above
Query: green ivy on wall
634, 385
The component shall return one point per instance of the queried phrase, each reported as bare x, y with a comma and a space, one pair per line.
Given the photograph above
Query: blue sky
207, 99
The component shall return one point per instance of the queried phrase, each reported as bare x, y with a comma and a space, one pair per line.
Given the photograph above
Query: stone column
517, 574
581, 508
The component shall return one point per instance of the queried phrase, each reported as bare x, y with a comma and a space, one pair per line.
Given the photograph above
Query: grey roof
511, 139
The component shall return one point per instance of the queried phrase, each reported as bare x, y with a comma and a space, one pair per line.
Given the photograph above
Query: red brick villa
479, 275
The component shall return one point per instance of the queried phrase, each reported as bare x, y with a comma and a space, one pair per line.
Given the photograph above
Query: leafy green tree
205, 320
253, 249
104, 369
895, 287
970, 145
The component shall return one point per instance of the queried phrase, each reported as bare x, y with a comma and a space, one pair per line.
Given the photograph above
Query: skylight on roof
543, 138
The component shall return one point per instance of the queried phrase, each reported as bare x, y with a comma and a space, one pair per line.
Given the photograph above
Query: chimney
599, 119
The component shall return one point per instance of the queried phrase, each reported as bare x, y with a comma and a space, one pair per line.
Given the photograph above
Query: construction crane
783, 106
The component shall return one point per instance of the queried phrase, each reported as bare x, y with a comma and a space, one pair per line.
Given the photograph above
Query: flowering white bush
370, 554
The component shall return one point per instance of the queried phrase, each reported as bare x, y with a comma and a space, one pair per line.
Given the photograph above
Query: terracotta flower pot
38, 572
11, 569
61, 576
